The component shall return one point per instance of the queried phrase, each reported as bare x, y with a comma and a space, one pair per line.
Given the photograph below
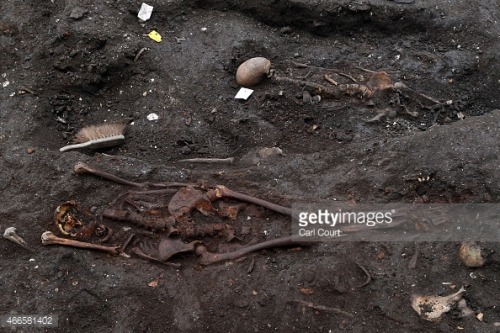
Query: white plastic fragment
5, 84
145, 12
243, 93
152, 116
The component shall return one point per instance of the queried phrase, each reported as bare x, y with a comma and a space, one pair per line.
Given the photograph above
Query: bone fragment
48, 238
10, 234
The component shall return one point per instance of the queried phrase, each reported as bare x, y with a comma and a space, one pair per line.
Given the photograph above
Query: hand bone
48, 238
10, 234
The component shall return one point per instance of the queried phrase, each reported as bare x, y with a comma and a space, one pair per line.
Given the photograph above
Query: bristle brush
98, 136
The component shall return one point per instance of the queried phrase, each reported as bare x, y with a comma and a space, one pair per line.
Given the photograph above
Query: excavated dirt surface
66, 64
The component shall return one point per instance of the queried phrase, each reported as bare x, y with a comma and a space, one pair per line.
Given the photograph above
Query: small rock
285, 30
306, 96
77, 13
270, 152
241, 303
30, 150
316, 99
392, 114
471, 255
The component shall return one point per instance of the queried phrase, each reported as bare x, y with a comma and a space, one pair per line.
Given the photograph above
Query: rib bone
48, 238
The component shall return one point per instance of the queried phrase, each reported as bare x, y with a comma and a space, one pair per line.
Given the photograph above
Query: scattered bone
127, 242
368, 277
432, 307
465, 310
178, 40
48, 238
332, 81
347, 76
251, 266
270, 152
402, 86
256, 156
10, 234
141, 51
299, 65
413, 261
377, 117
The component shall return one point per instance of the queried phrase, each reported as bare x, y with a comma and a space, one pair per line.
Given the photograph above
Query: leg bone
81, 168
208, 258
48, 238
223, 192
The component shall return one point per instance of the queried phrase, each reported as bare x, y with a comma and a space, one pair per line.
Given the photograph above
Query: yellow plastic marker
155, 36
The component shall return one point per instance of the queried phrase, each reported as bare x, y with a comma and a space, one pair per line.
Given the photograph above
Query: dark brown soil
59, 74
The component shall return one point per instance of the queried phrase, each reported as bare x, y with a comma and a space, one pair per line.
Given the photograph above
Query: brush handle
97, 143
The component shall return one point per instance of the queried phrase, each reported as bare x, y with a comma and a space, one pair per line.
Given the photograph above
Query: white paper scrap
145, 12
244, 93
